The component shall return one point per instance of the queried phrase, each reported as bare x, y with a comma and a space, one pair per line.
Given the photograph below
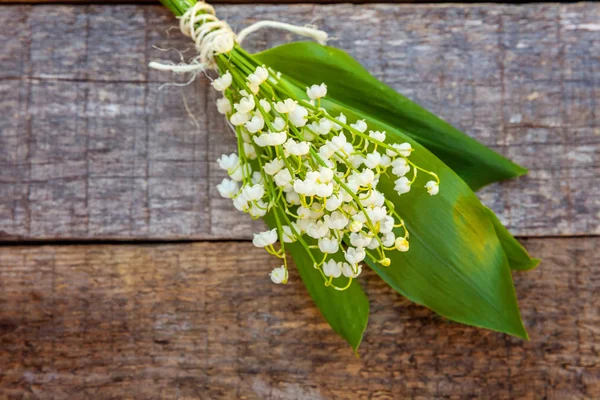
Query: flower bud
401, 244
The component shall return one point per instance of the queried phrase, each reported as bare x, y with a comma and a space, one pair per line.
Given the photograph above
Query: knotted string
213, 36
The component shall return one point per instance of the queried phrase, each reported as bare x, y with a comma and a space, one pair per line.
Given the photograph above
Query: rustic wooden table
123, 274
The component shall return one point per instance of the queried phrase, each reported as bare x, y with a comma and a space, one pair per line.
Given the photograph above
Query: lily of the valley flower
316, 174
332, 269
265, 239
316, 92
279, 275
432, 187
222, 83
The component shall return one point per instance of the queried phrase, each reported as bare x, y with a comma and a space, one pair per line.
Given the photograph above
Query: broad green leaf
456, 265
518, 258
473, 162
353, 86
346, 311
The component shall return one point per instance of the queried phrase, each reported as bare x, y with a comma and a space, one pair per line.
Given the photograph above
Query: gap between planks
160, 242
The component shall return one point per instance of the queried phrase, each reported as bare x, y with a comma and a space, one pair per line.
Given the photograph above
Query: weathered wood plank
203, 321
92, 149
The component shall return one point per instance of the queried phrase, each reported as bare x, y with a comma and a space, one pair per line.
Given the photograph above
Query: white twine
213, 36
307, 31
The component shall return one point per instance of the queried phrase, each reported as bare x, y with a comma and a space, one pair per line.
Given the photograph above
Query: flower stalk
314, 172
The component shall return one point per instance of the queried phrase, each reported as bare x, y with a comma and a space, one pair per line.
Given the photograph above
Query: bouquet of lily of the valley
347, 172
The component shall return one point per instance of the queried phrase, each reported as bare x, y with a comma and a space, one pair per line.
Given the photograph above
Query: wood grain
203, 321
92, 149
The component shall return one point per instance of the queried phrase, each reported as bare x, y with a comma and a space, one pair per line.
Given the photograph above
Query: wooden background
123, 274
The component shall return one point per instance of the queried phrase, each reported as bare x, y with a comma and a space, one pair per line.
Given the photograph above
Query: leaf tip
357, 343
523, 333
521, 170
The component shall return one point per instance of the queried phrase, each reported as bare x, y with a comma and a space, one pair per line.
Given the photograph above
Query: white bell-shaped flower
288, 234
228, 162
323, 127
264, 239
373, 160
228, 188
377, 214
279, 124
270, 139
350, 271
315, 92
239, 119
257, 178
292, 198
337, 143
400, 167
240, 204
223, 82
259, 76
403, 148
325, 152
387, 225
283, 178
256, 124
254, 192
332, 269
355, 226
360, 239
386, 161
341, 119
258, 209
389, 239
250, 151
286, 106
329, 246
376, 135
266, 106
360, 125
326, 175
333, 203
337, 220
274, 166
317, 230
401, 244
279, 275
224, 105
354, 255
298, 116
402, 185
296, 148
245, 105
324, 189
366, 177
432, 187
356, 160
373, 245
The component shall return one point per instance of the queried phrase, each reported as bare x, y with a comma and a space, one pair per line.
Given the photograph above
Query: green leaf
346, 311
352, 85
518, 258
456, 264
